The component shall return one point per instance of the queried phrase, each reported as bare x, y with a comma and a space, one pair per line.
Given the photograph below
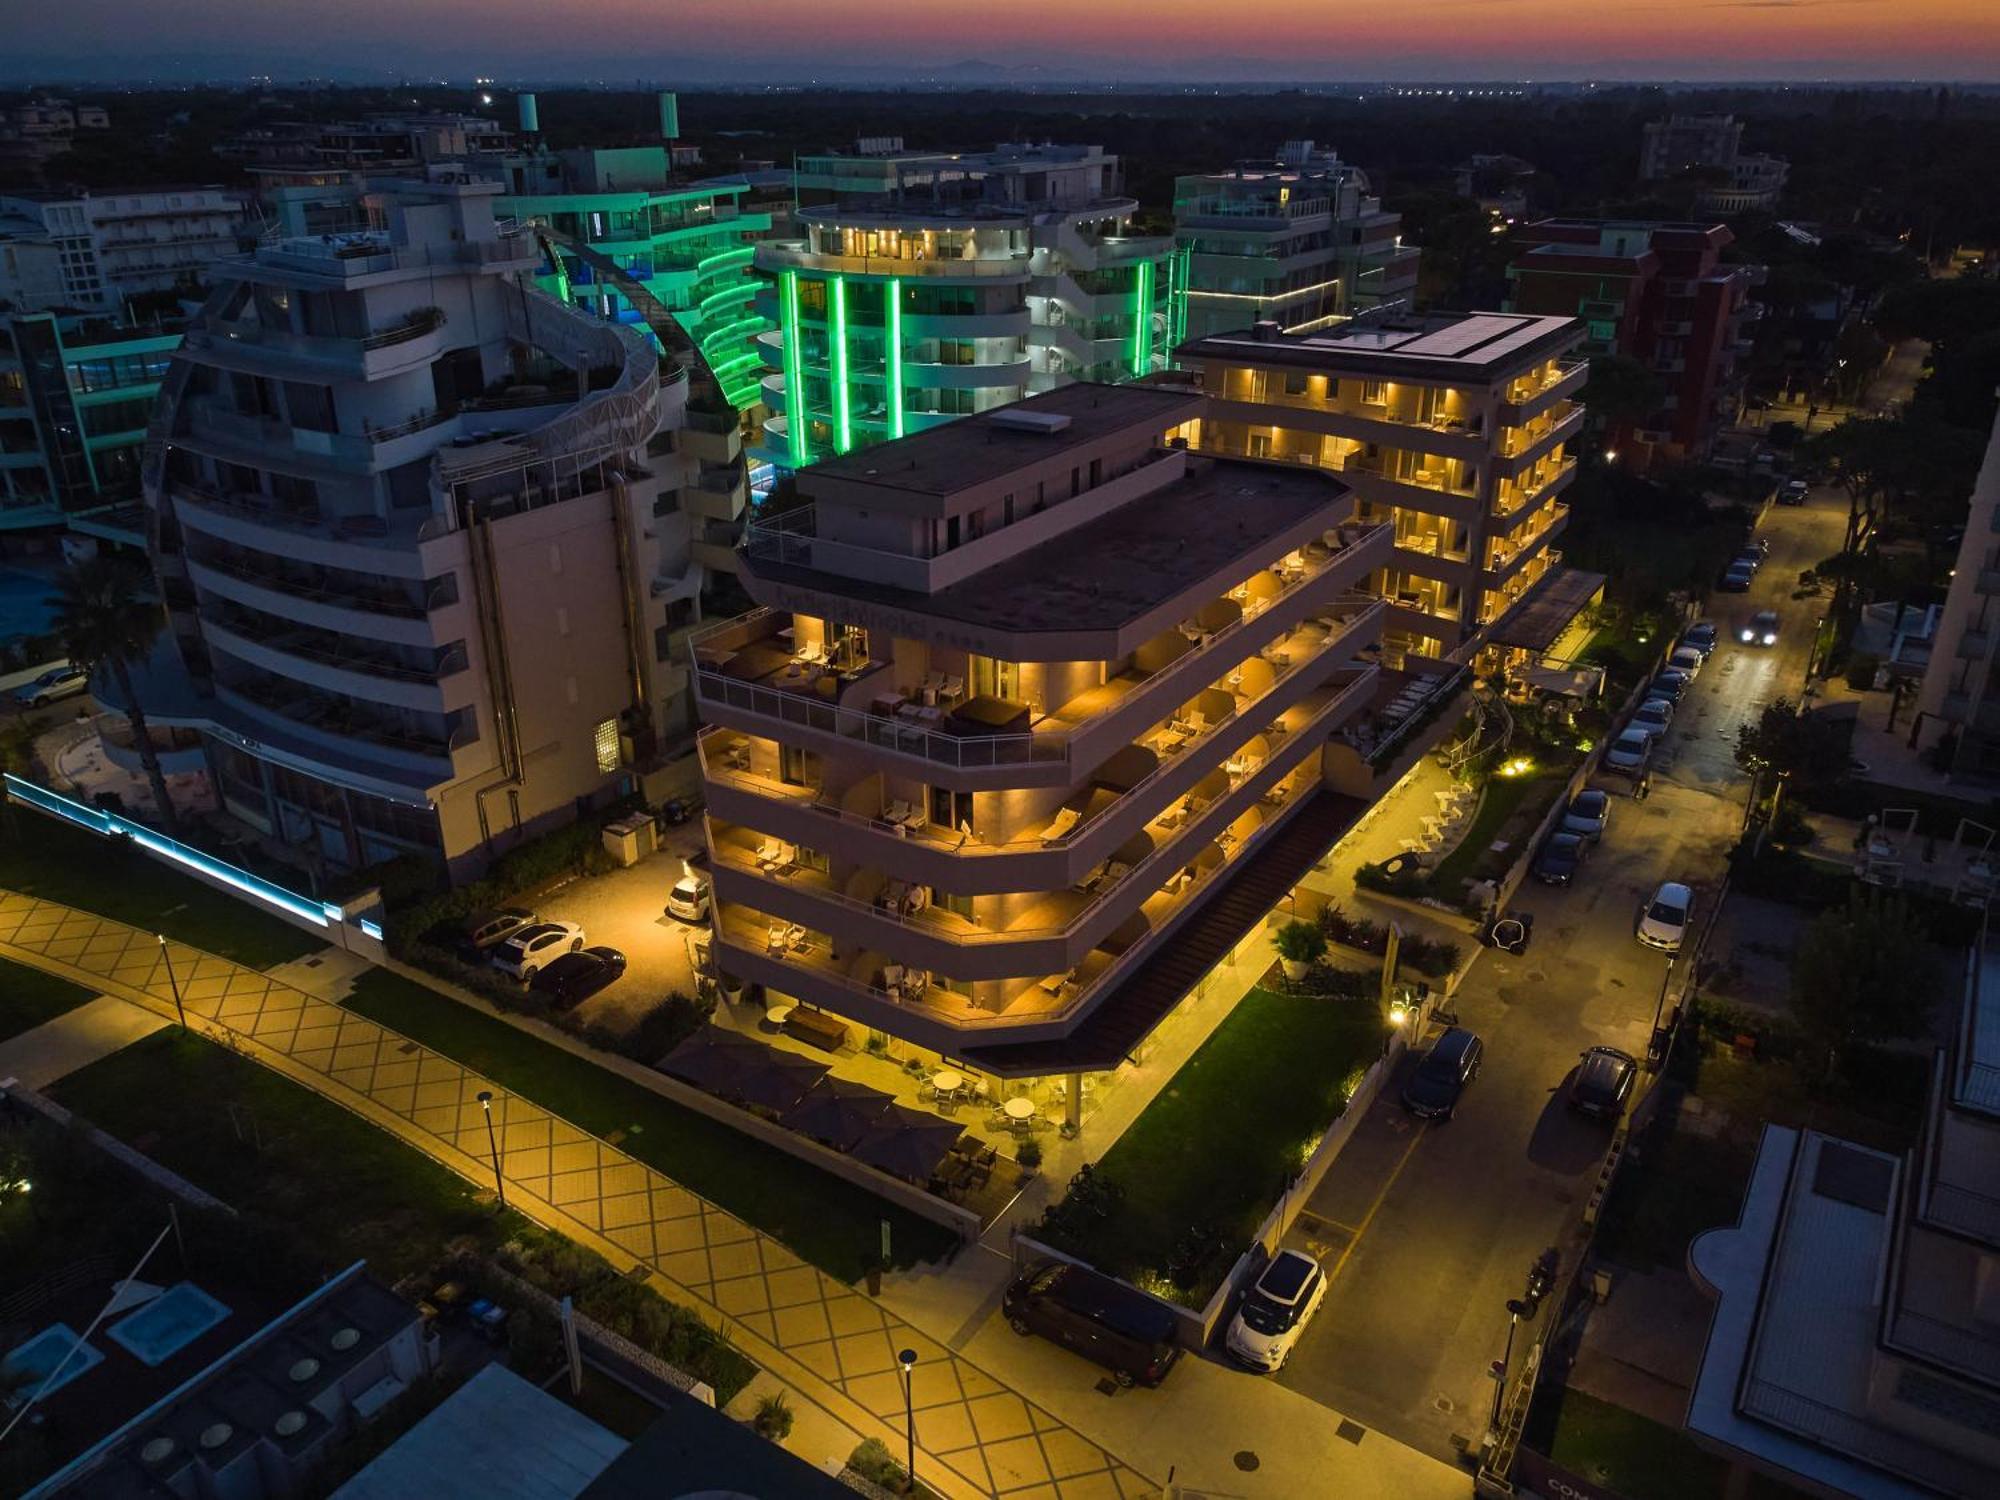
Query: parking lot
1428, 1230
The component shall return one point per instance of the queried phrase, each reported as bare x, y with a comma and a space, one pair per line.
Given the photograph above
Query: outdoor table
1019, 1110
945, 1081
777, 1015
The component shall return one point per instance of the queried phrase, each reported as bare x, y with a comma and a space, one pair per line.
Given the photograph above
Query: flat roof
694, 1450
1541, 616
1114, 571
1462, 346
495, 1438
974, 450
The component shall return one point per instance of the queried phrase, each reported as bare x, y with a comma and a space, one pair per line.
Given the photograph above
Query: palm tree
107, 619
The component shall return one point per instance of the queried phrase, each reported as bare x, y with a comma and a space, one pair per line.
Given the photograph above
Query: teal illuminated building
75, 396
687, 243
924, 287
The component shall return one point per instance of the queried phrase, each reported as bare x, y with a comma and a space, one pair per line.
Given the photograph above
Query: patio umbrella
1127, 933
713, 1060
1167, 646
1265, 585
837, 1112
1133, 849
1218, 614
780, 1080
1126, 768
908, 1144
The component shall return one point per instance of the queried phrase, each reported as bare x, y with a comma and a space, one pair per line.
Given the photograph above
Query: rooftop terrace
1462, 346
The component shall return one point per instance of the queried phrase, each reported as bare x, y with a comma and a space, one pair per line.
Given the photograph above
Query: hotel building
112, 245
1300, 242
418, 538
926, 287
1452, 431
1038, 708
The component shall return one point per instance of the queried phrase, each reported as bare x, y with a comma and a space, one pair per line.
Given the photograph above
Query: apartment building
1299, 242
320, 153
1453, 431
1661, 294
1678, 144
1023, 694
931, 286
75, 397
113, 245
37, 129
418, 537
1958, 705
1853, 1348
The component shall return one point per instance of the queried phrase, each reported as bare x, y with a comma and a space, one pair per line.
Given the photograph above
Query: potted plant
774, 1418
1300, 946
1028, 1155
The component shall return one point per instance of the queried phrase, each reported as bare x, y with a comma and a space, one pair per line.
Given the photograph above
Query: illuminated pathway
833, 1345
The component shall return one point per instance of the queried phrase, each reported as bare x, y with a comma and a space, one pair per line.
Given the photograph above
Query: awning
1538, 621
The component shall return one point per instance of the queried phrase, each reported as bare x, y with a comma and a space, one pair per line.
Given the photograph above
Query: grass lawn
40, 856
1681, 1185
1505, 795
28, 997
1626, 1452
1227, 1131
831, 1223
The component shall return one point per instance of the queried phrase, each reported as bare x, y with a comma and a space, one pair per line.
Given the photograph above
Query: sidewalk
75, 1039
834, 1346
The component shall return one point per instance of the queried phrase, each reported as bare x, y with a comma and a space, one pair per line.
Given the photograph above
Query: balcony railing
380, 601
268, 510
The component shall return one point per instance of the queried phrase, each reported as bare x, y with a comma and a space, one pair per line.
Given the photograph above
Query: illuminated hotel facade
928, 287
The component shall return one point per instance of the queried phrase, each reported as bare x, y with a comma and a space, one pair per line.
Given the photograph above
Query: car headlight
1770, 638
1748, 636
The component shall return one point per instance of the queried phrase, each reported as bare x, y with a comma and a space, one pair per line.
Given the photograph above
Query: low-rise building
36, 130
115, 244
1455, 431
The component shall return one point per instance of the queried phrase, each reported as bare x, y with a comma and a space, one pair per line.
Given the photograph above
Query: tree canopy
1809, 748
1864, 974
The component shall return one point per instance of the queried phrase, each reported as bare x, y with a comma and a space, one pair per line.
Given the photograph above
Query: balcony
284, 583
783, 255
258, 349
355, 672
1250, 401
340, 726
269, 442
1525, 398
365, 541
1504, 561
1521, 447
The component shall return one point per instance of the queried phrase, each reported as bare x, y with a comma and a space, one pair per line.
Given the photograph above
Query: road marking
1373, 1208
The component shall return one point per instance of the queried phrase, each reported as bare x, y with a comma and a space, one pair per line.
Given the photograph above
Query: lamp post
493, 1145
1501, 1365
172, 983
908, 1360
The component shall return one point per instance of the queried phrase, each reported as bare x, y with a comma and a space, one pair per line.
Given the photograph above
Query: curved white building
422, 559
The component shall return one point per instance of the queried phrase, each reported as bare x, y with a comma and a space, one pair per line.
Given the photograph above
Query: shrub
1861, 669
871, 1460
1398, 875
1429, 955
1353, 932
1029, 1154
1301, 943
660, 1030
774, 1418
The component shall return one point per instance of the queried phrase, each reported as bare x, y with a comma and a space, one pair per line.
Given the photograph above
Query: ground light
1520, 765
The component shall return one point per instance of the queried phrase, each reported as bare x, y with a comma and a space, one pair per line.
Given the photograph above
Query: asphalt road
1427, 1231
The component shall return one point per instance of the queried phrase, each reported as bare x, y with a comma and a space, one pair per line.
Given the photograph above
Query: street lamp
908, 1360
173, 983
493, 1144
1500, 1365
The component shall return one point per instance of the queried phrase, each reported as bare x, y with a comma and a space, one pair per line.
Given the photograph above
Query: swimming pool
42, 1353
24, 602
168, 1324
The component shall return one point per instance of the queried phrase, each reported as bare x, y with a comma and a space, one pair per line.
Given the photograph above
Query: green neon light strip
893, 356
843, 430
1142, 319
795, 385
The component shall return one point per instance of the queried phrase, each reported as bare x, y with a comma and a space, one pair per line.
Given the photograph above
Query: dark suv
1603, 1081
1452, 1063
1106, 1321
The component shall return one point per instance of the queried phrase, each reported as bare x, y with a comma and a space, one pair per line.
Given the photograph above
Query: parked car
1602, 1083
1663, 921
1793, 492
1588, 813
1629, 753
1762, 629
1433, 1090
1736, 580
60, 682
1671, 683
688, 900
1653, 716
1559, 858
475, 934
524, 954
1686, 659
1701, 636
1275, 1311
1110, 1324
1751, 557
571, 978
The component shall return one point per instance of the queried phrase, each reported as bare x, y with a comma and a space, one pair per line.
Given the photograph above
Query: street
1427, 1231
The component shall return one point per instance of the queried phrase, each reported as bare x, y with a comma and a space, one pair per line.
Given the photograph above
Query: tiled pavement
836, 1346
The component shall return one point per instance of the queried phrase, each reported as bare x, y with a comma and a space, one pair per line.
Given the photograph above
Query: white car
524, 954
1275, 1311
1653, 716
1663, 921
1629, 753
688, 900
1687, 659
64, 681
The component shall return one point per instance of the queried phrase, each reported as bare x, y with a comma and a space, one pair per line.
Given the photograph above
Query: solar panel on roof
1458, 338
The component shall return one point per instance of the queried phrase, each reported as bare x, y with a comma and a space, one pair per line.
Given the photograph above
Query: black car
1132, 1335
1670, 685
1559, 858
575, 977
1452, 1063
1603, 1082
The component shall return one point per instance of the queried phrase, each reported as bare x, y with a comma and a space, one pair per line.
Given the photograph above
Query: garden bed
1176, 1200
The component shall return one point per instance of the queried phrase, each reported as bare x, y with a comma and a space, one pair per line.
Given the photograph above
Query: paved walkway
975, 1436
75, 1039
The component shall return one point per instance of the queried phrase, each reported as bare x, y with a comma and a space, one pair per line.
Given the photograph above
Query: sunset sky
1330, 39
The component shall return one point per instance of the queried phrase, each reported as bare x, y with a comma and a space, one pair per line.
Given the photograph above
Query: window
796, 767
994, 679
1374, 393
950, 809
604, 739
1295, 382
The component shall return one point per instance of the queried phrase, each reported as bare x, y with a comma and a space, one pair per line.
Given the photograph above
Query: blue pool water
42, 1353
24, 608
168, 1324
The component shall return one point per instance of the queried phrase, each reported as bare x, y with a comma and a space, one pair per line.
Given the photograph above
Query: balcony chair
767, 855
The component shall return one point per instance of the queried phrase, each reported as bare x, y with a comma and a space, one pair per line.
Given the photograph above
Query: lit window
605, 739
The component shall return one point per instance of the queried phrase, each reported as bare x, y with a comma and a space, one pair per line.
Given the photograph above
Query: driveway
1428, 1230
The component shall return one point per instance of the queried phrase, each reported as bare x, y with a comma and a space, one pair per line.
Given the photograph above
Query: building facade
1741, 180
1660, 294
1300, 242
420, 539
1959, 701
76, 395
321, 154
111, 246
1453, 432
1022, 694
927, 287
